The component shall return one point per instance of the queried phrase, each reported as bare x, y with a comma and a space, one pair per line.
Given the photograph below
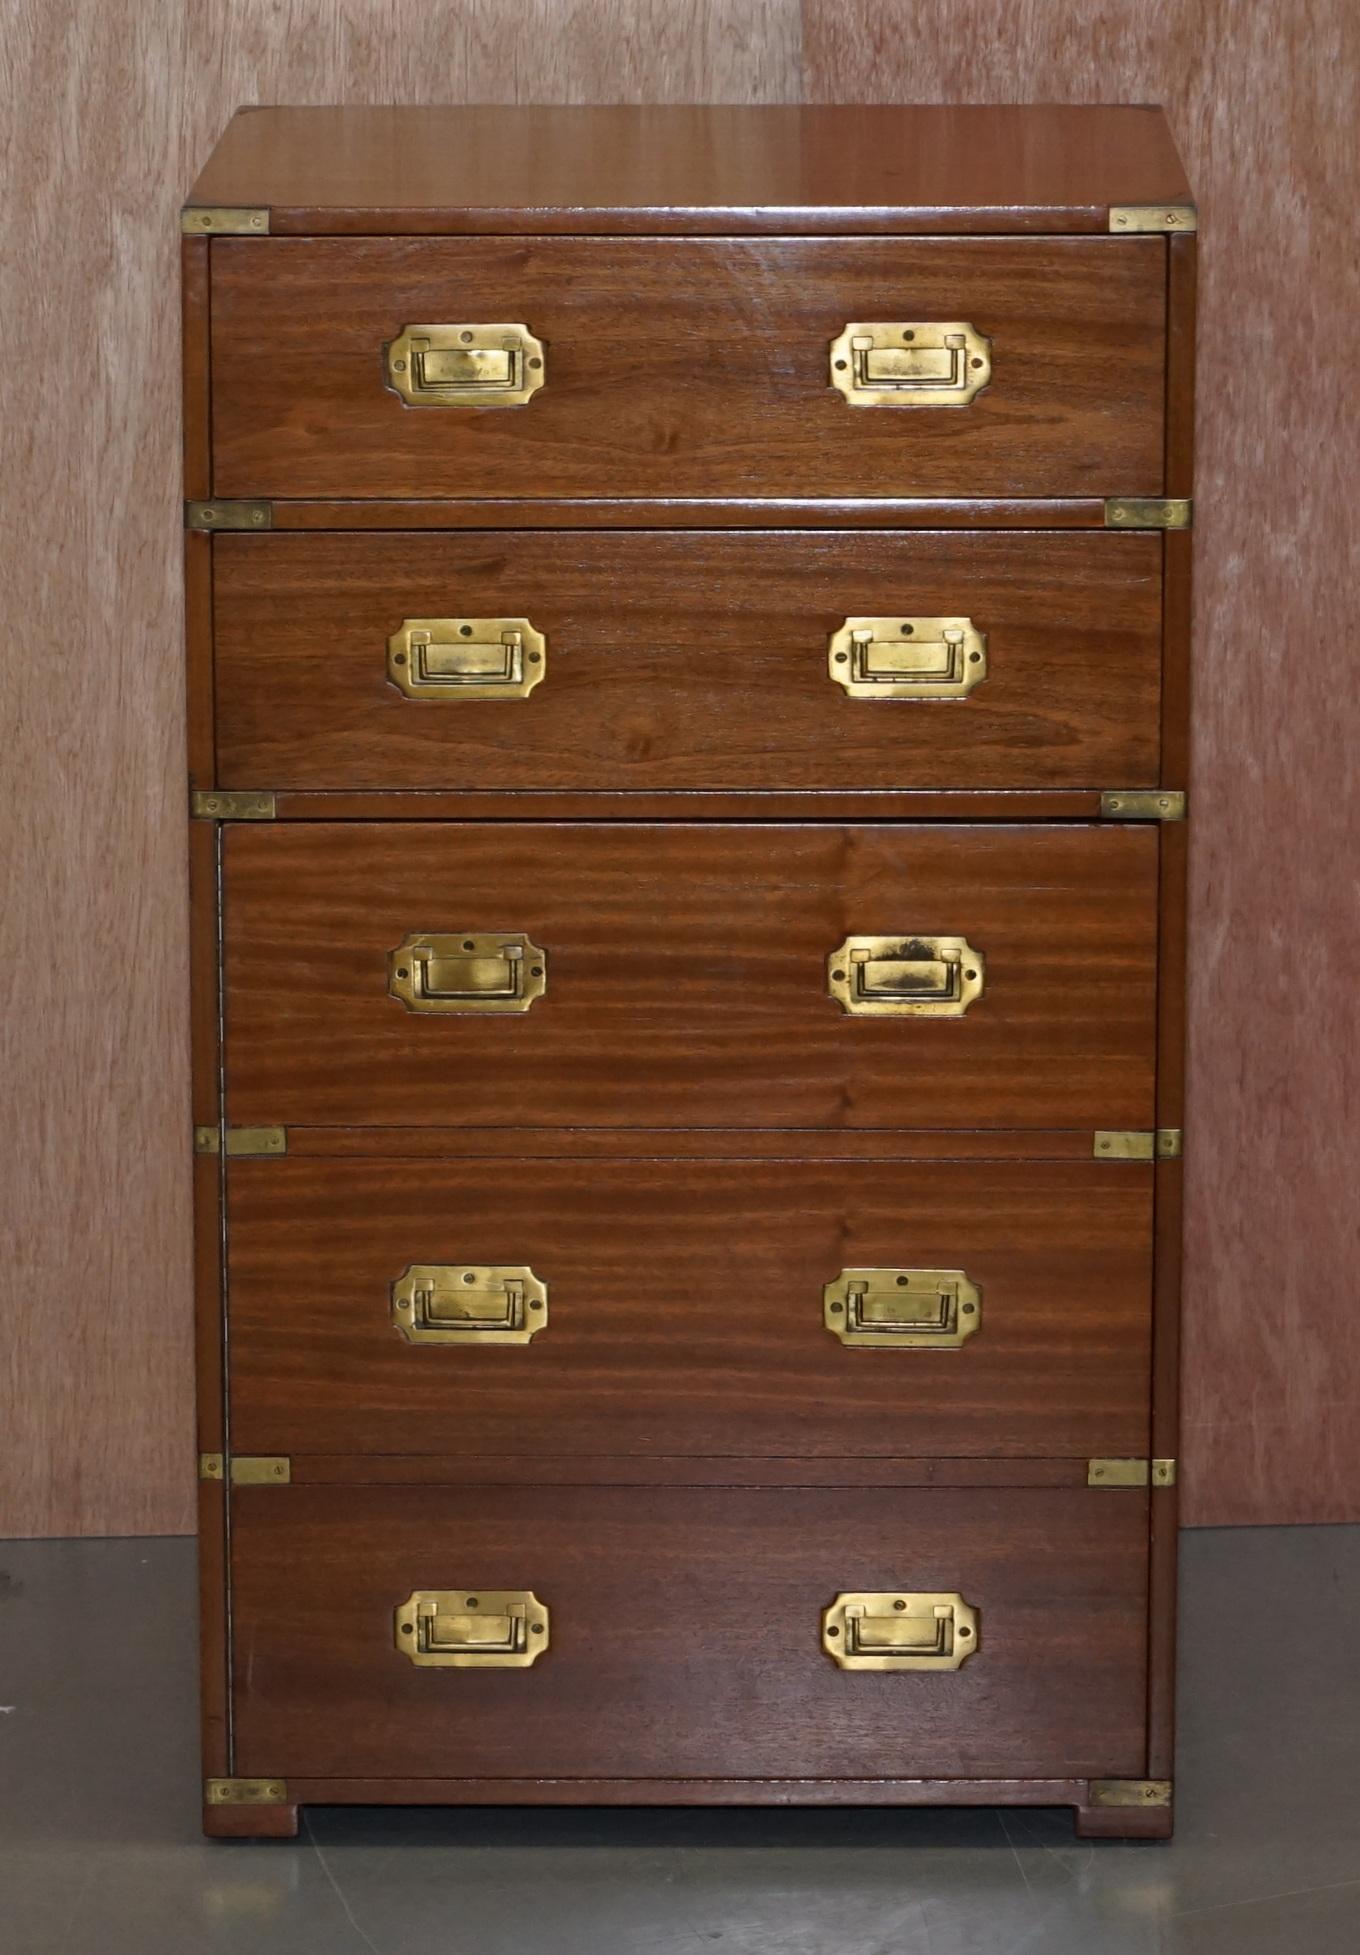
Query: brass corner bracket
260, 1143
1143, 804
1130, 1792
1130, 1473
1149, 512
247, 1469
218, 514
245, 1792
1129, 218
260, 1470
1155, 1144
231, 804
223, 221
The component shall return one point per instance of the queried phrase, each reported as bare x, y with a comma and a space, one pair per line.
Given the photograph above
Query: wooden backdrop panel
107, 113
1262, 100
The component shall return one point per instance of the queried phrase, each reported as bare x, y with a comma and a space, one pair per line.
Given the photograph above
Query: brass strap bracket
1130, 1473
1127, 218
228, 515
245, 1792
1143, 804
1148, 512
223, 221
1129, 1792
246, 1469
231, 804
260, 1143
1159, 1144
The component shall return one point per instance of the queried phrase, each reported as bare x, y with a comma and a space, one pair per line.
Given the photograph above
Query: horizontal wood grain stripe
403, 1141
691, 512
508, 1469
531, 804
676, 1792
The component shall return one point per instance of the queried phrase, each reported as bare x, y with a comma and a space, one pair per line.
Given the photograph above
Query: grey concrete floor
100, 1852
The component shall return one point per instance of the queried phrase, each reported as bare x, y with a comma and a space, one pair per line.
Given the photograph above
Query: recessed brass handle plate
905, 977
463, 1629
903, 1309
893, 1630
465, 366
908, 658
488, 972
466, 658
469, 1303
916, 363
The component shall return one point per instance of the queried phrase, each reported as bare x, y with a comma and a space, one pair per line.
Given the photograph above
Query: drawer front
697, 660
687, 367
686, 1308
684, 1633
688, 975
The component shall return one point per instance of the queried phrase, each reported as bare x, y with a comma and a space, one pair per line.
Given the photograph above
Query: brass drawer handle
448, 1303
466, 658
911, 658
924, 363
465, 366
883, 1630
907, 977
496, 971
909, 1309
453, 1629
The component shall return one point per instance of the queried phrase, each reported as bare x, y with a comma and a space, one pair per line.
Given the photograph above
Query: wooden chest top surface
620, 170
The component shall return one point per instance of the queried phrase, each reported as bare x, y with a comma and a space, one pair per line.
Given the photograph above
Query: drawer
983, 1308
685, 367
688, 975
684, 1633
697, 660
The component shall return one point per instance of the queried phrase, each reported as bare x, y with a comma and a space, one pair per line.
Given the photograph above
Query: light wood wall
108, 110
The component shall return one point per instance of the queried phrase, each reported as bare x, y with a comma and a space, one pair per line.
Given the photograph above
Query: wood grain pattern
687, 660
687, 366
1173, 922
95, 1392
881, 804
684, 1633
209, 1296
693, 512
1271, 1431
685, 1309
687, 981
105, 115
861, 1471
684, 1144
678, 169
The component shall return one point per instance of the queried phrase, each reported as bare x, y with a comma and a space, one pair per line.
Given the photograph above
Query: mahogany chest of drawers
688, 619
